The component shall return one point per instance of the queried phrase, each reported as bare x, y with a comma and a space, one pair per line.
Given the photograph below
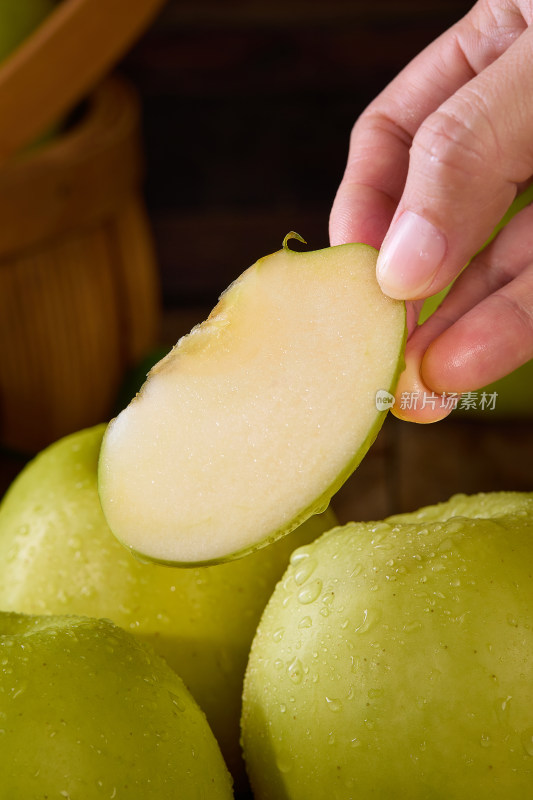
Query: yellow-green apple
394, 660
255, 419
87, 711
18, 18
57, 555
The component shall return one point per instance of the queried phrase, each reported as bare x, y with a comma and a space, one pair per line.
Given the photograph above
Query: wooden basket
79, 295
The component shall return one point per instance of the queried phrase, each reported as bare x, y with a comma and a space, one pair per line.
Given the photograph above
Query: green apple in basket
87, 711
18, 18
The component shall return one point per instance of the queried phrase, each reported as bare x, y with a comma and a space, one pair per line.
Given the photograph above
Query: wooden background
248, 108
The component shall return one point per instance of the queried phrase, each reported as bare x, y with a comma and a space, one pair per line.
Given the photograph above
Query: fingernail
410, 256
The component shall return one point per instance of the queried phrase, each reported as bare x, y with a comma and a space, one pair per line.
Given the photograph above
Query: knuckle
519, 308
458, 138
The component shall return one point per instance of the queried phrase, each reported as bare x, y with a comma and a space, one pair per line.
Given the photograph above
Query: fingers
434, 163
416, 401
482, 331
466, 161
378, 160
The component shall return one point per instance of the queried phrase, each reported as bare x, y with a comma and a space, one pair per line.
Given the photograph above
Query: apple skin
394, 660
87, 711
57, 555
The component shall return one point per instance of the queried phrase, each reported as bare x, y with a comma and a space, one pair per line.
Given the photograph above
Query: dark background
248, 108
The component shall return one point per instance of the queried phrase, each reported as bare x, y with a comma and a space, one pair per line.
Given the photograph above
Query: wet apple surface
394, 660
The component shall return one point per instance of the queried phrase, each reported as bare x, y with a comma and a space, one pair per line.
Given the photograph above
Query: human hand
434, 163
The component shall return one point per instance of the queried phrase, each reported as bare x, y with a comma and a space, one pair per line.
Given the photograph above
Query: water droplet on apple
176, 700
304, 571
296, 671
527, 741
502, 707
19, 689
308, 594
370, 617
446, 546
298, 556
305, 622
485, 740
284, 762
277, 636
334, 704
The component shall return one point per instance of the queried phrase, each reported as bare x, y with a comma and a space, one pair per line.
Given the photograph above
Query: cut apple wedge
255, 419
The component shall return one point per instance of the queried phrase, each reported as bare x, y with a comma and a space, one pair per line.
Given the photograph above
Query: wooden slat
76, 180
62, 60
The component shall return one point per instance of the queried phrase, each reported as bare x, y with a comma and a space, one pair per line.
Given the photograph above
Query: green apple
486, 505
87, 711
255, 419
18, 18
57, 555
394, 660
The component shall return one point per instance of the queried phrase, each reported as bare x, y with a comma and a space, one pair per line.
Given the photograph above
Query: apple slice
255, 419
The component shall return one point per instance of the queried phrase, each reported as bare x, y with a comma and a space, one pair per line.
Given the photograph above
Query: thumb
466, 161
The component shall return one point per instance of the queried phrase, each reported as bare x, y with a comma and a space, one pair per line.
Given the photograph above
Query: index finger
378, 158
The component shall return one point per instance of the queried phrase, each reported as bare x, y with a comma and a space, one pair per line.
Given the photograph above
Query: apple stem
292, 235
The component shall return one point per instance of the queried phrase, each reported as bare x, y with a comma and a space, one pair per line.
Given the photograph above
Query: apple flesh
88, 711
57, 556
255, 419
394, 660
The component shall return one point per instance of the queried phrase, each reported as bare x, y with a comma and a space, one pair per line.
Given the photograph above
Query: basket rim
77, 178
